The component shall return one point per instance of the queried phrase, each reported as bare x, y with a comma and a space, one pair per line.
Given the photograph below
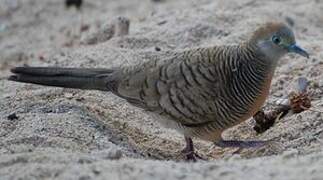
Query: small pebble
76, 3
68, 95
13, 116
41, 57
112, 154
158, 0
162, 22
84, 27
290, 153
234, 157
96, 172
290, 21
3, 27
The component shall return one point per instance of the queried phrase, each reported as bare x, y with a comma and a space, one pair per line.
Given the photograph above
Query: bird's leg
189, 152
241, 144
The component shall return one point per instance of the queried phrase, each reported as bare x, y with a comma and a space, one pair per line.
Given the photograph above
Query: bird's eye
276, 39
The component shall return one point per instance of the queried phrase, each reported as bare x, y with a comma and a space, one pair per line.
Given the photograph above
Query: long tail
79, 78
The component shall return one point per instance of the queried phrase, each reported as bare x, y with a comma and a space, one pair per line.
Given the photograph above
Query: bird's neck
253, 55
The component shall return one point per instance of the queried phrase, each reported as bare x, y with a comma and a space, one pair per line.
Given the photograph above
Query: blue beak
296, 49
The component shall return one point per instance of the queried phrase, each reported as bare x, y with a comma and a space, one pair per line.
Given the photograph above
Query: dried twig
296, 102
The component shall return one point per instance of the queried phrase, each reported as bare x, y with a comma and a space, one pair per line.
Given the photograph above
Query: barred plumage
201, 92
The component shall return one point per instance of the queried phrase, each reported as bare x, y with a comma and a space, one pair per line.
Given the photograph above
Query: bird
200, 92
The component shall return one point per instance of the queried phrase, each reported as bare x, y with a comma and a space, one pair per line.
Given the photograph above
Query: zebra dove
200, 92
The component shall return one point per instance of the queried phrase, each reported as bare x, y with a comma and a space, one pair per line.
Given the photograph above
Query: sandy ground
71, 134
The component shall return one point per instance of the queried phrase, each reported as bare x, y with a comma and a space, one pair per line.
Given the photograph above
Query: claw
189, 153
192, 156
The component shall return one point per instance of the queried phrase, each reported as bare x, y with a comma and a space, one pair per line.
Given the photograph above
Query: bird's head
275, 40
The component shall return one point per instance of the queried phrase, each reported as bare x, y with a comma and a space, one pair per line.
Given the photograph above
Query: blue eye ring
276, 39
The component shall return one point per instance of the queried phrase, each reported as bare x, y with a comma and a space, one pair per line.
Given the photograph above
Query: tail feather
79, 78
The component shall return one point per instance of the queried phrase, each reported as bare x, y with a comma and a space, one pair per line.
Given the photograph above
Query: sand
71, 134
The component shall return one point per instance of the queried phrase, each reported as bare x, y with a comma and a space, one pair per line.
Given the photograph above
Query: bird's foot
189, 152
241, 144
191, 156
